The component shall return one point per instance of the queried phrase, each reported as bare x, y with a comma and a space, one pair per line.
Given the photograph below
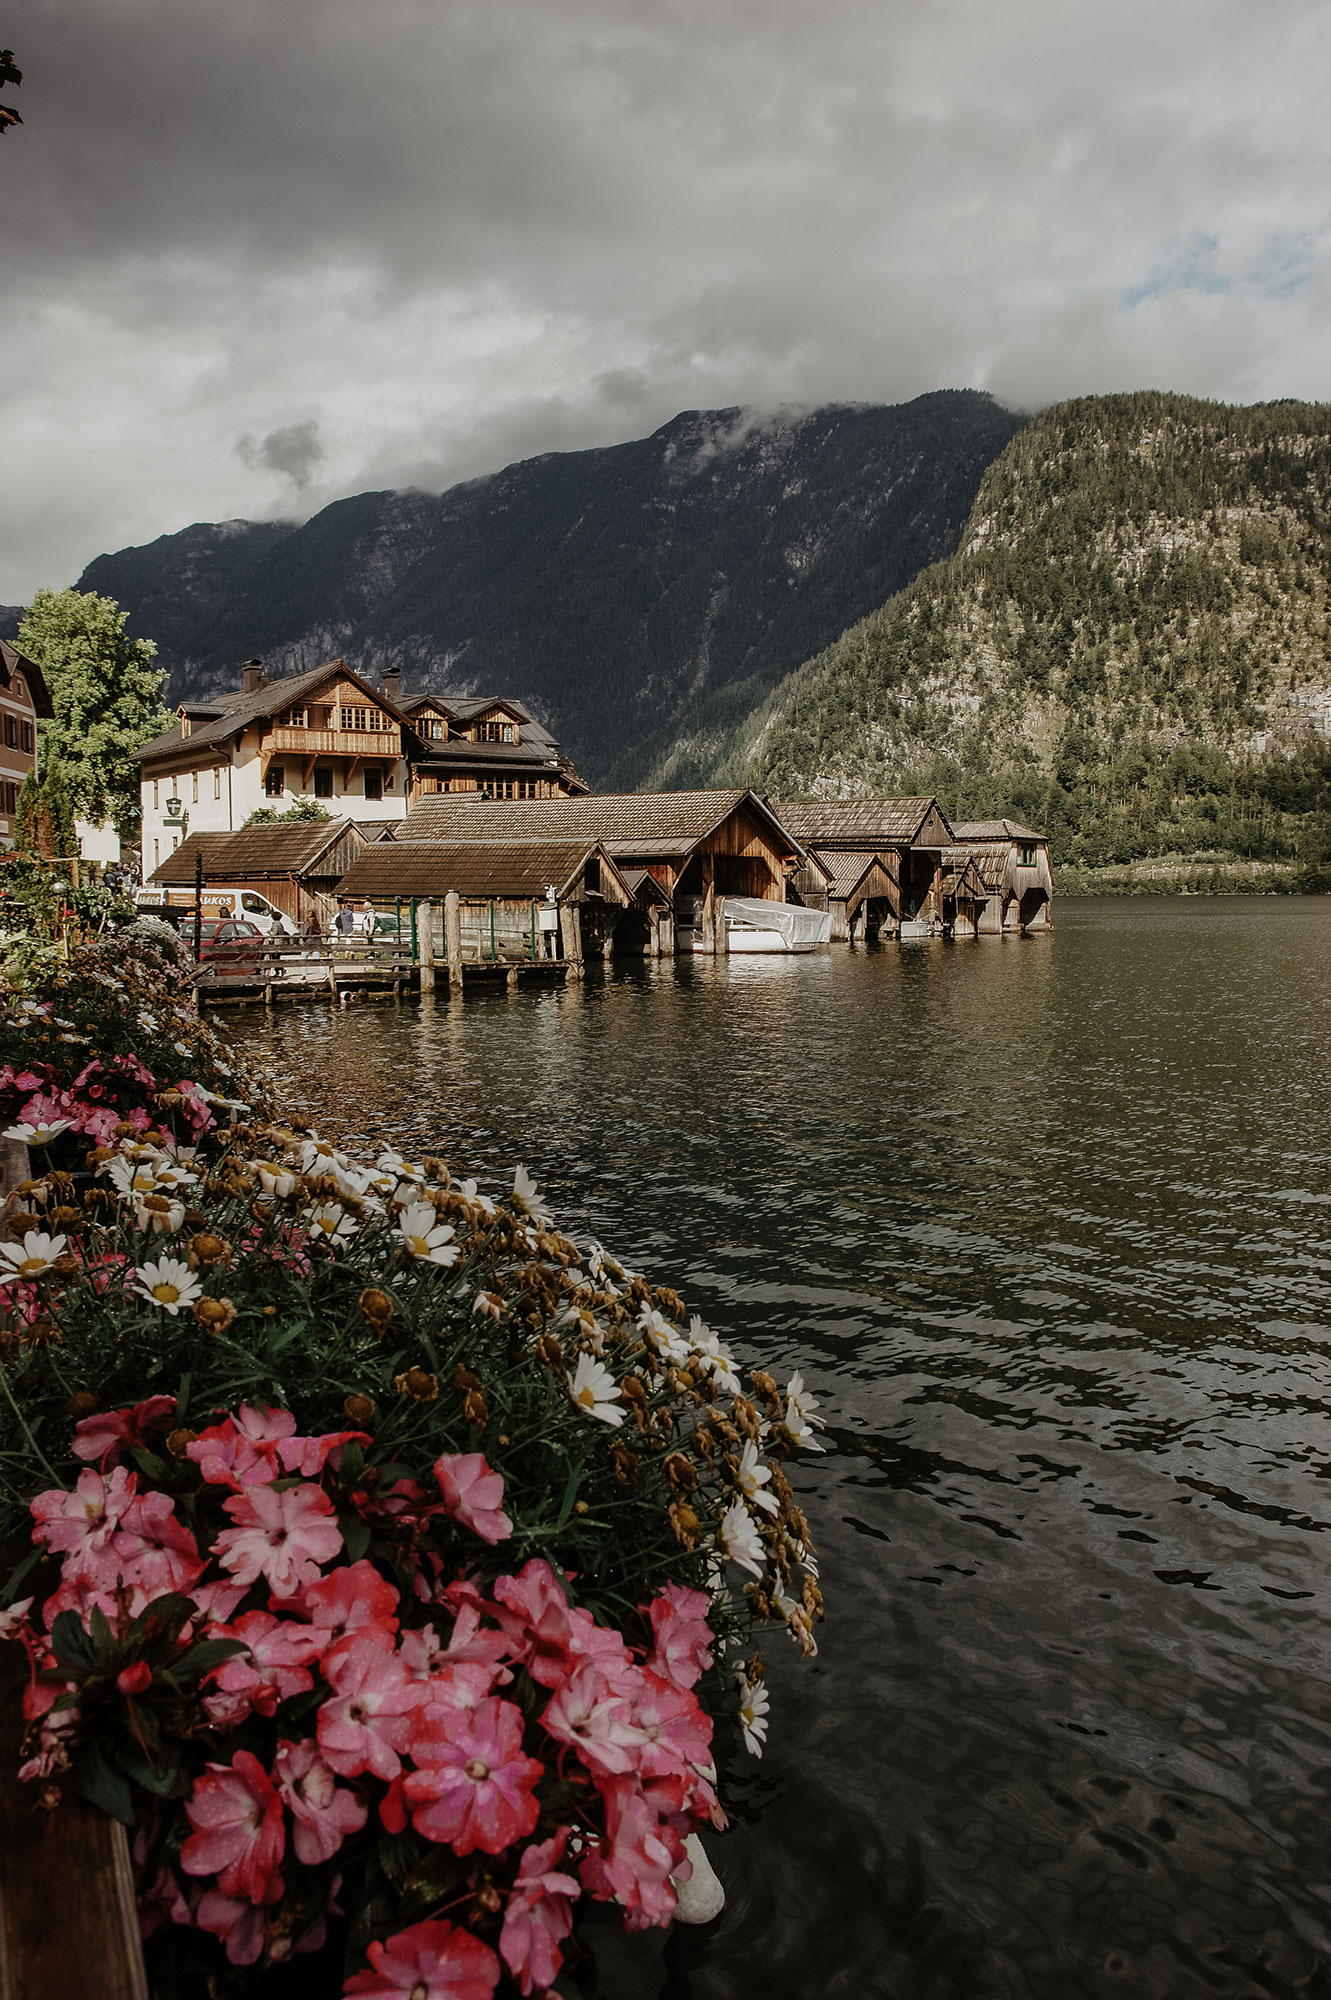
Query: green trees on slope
1131, 646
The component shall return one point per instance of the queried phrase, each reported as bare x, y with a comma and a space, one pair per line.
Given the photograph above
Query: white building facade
325, 735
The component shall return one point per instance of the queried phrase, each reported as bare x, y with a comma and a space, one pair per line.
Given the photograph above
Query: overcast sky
261, 253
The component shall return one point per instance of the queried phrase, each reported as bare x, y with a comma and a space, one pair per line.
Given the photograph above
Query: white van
267, 919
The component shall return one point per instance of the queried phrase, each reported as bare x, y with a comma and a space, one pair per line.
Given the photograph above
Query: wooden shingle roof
863, 822
254, 851
847, 868
994, 829
641, 823
479, 869
213, 722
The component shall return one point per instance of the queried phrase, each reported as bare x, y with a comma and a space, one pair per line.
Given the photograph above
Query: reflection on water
1046, 1221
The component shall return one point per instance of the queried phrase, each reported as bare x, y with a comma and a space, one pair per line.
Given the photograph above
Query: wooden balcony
310, 743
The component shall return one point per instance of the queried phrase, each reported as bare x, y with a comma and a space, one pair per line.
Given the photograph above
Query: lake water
1047, 1222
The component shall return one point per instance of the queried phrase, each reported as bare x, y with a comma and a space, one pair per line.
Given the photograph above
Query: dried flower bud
82, 1403
551, 1353
581, 1507
489, 1899
178, 1440
685, 1524
209, 1249
360, 1411
215, 1315
625, 1463
418, 1384
377, 1307
682, 1476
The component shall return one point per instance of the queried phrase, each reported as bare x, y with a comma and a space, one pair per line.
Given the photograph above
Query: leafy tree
44, 819
304, 809
9, 73
107, 699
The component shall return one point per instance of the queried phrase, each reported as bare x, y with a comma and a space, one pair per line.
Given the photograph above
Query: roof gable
13, 662
862, 823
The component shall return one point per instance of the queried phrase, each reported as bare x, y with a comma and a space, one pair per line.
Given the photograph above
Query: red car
228, 946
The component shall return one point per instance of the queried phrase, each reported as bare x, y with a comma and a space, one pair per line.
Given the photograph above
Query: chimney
254, 676
392, 683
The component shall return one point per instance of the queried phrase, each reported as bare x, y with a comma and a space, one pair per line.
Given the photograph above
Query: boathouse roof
995, 829
506, 870
628, 823
255, 851
864, 822
847, 867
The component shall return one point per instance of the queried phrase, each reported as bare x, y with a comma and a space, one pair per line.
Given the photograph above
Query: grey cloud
449, 235
293, 451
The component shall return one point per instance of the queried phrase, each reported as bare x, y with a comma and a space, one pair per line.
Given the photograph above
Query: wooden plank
68, 1925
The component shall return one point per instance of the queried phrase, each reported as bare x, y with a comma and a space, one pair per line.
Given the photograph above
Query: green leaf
105, 1788
104, 1646
69, 1641
355, 1534
9, 1590
201, 1659
570, 1495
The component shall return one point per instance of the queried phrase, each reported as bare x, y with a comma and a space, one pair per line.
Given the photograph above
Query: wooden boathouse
297, 866
682, 853
966, 893
883, 860
516, 901
1014, 863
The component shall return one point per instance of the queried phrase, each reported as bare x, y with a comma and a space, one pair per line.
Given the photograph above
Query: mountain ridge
616, 590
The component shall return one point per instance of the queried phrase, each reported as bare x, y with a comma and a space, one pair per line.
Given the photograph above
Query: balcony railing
282, 740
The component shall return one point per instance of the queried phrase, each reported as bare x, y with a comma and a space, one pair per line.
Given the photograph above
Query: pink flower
310, 1455
435, 1960
238, 1832
155, 1549
677, 1733
284, 1537
324, 1812
369, 1716
218, 1600
239, 1925
280, 1652
472, 1786
135, 1679
351, 1596
242, 1450
473, 1494
101, 1438
538, 1917
536, 1618
683, 1636
639, 1856
87, 1517
596, 1722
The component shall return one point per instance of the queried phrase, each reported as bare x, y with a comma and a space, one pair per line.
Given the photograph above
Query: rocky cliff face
1136, 624
629, 594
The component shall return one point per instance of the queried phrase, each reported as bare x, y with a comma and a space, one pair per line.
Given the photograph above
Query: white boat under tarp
755, 925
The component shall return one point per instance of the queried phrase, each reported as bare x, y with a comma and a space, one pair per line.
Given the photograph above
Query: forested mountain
627, 593
1130, 647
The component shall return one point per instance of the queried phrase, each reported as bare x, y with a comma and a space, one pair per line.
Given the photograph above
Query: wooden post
68, 1924
425, 937
707, 916
570, 935
453, 939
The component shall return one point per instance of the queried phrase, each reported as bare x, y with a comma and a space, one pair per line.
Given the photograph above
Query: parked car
231, 948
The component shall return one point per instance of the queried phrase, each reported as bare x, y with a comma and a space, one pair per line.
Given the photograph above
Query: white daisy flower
168, 1283
657, 1330
158, 1213
275, 1180
130, 1179
595, 1391
800, 1408
753, 1476
331, 1221
33, 1256
472, 1193
528, 1196
38, 1135
406, 1170
753, 1709
319, 1155
740, 1538
425, 1236
489, 1305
